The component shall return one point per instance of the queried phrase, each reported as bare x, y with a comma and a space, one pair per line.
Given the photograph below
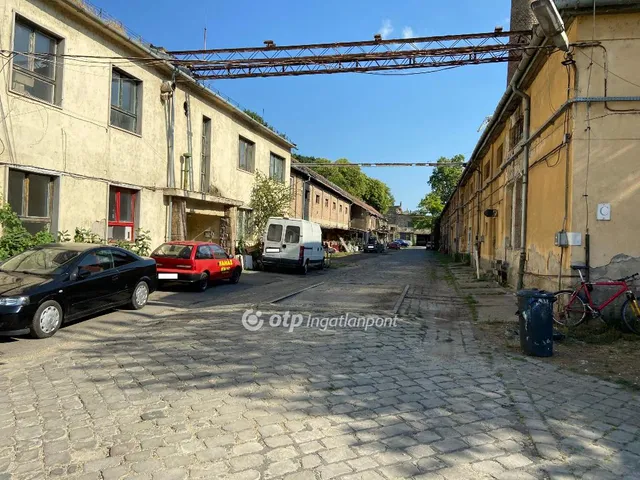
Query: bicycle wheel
631, 320
567, 311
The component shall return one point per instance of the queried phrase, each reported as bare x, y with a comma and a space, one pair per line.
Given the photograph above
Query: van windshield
274, 234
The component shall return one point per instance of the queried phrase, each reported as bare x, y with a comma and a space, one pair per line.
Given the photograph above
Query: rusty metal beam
366, 56
382, 164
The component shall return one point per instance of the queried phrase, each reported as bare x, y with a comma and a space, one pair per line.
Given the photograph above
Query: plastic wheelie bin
535, 311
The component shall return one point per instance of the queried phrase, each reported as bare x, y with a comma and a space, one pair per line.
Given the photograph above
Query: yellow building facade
558, 158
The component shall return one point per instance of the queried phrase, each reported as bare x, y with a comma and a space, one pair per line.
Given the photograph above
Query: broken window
326, 202
122, 207
31, 197
517, 129
317, 198
247, 155
35, 67
499, 157
125, 103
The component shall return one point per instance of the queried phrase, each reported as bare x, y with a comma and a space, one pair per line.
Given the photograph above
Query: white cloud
407, 32
386, 29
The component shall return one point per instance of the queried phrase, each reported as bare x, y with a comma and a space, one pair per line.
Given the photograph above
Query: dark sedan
50, 284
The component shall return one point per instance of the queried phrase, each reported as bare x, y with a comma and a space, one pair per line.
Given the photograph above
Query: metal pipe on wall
525, 183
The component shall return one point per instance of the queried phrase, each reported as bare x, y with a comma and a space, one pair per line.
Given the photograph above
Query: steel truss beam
368, 56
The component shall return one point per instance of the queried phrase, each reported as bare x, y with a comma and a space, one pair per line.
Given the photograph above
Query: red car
393, 245
195, 263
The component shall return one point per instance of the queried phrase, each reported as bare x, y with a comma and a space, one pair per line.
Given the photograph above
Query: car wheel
140, 295
203, 283
47, 320
235, 276
305, 268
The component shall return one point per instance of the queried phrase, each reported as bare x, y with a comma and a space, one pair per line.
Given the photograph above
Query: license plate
167, 276
272, 250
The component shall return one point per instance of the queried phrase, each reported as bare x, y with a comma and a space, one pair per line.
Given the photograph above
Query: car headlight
14, 301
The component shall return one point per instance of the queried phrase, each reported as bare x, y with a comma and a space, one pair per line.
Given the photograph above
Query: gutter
579, 4
525, 183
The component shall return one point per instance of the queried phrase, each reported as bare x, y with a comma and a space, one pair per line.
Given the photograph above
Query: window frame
56, 81
118, 222
23, 215
272, 175
205, 155
248, 168
138, 101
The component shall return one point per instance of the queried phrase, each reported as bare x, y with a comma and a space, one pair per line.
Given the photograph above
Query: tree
258, 118
372, 191
444, 178
269, 198
431, 204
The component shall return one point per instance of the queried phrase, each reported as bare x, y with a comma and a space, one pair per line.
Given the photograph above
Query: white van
293, 243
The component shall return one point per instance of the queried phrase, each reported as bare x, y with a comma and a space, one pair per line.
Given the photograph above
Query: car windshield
172, 250
43, 261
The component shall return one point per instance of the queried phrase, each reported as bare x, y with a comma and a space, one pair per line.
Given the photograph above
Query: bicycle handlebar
630, 277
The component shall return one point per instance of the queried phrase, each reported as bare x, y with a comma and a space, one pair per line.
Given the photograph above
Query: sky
361, 117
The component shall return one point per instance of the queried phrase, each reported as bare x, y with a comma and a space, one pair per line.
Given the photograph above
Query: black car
374, 246
50, 284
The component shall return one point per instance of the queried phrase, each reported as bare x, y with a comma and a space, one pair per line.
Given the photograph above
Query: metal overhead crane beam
367, 56
382, 164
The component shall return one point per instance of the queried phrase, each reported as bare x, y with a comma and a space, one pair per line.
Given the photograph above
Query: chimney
522, 18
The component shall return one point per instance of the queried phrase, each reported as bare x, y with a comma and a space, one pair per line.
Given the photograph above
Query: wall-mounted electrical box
568, 239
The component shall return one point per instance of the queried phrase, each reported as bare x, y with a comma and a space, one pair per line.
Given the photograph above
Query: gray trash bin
535, 311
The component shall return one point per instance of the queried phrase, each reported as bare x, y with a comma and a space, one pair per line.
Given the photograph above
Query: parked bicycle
572, 306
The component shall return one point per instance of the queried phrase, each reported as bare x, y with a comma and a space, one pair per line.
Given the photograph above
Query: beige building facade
102, 132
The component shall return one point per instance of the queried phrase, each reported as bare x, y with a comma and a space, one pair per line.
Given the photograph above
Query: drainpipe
189, 161
525, 182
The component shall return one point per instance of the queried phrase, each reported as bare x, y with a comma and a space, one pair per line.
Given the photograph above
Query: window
346, 210
242, 223
205, 155
317, 198
515, 134
120, 258
172, 250
247, 159
36, 72
326, 202
218, 252
203, 253
96, 261
334, 205
340, 208
499, 157
31, 197
274, 234
487, 171
292, 183
276, 168
125, 94
292, 235
122, 207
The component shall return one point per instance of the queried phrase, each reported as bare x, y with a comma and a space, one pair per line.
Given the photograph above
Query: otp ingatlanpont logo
252, 321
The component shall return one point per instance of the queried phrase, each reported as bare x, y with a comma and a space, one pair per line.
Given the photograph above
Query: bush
15, 238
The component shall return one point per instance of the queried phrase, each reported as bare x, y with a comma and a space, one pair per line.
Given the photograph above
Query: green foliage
15, 238
444, 178
443, 182
85, 235
269, 198
258, 118
372, 191
140, 246
64, 236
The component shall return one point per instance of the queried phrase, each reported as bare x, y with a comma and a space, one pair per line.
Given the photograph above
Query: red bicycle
571, 306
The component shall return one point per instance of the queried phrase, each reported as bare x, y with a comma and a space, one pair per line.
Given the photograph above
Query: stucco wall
606, 161
75, 141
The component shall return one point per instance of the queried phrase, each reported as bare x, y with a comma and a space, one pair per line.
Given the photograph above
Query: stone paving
193, 394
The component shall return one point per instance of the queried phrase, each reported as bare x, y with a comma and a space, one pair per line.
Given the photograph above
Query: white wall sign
603, 212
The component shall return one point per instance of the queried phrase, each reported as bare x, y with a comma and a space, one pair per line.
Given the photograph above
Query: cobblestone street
190, 393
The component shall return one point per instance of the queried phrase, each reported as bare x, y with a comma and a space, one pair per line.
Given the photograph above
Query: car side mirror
82, 274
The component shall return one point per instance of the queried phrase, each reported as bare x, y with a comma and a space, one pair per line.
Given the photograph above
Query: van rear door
293, 245
273, 240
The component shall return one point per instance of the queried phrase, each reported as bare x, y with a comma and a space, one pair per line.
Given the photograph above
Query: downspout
189, 161
525, 183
